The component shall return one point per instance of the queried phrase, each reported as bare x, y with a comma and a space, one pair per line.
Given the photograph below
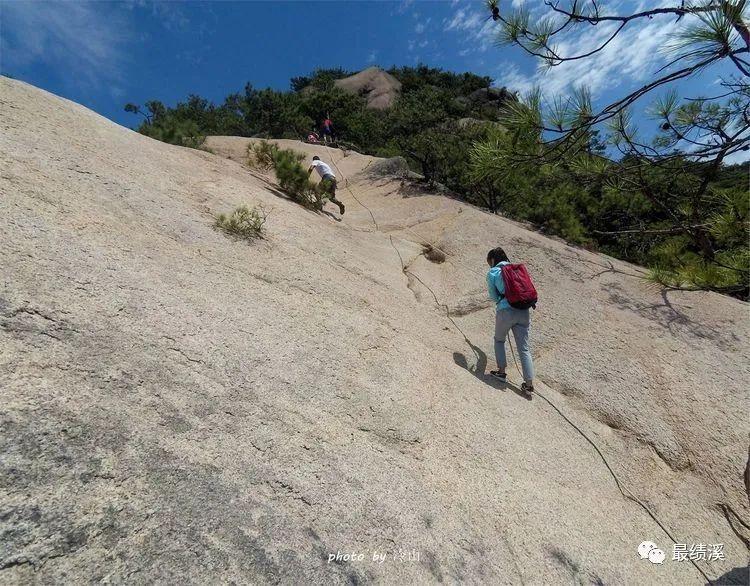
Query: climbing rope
346, 185
404, 268
406, 271
624, 490
425, 241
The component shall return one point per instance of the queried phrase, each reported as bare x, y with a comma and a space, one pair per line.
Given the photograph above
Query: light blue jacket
496, 286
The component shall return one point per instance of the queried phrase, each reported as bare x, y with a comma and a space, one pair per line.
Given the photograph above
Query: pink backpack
519, 288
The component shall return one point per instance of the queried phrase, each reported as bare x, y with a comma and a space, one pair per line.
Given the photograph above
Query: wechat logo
648, 550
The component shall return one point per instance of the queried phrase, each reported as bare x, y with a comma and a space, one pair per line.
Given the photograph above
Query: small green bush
261, 154
183, 133
243, 222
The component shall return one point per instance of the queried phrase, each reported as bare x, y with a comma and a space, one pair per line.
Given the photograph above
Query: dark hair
316, 158
496, 255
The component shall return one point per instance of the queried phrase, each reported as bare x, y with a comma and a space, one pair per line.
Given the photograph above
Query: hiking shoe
527, 388
342, 208
499, 375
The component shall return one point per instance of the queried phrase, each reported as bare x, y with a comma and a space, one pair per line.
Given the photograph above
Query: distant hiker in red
327, 128
510, 286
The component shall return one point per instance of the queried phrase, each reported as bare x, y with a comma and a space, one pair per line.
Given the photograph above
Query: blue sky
104, 54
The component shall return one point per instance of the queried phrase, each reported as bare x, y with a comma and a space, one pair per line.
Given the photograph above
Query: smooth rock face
180, 407
379, 87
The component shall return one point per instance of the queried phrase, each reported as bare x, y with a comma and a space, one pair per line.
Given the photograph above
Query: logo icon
644, 548
656, 556
648, 550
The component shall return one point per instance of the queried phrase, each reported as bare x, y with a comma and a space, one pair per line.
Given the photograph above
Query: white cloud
422, 26
510, 76
82, 41
463, 20
372, 57
632, 56
476, 28
404, 6
735, 158
171, 15
168, 14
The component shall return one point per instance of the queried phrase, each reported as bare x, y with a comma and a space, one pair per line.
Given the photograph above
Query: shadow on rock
669, 317
479, 371
739, 575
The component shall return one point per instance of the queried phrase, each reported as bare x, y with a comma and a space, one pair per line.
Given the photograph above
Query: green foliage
320, 79
662, 199
274, 114
422, 126
169, 126
243, 222
543, 195
262, 154
593, 201
731, 176
683, 216
430, 96
352, 118
695, 274
421, 76
712, 33
179, 132
441, 153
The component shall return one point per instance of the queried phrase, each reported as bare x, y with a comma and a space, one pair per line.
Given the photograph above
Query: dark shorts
327, 130
328, 184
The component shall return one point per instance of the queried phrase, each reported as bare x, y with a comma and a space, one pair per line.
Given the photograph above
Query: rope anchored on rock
621, 487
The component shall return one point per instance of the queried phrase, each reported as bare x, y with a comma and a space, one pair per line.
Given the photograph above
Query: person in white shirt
327, 180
